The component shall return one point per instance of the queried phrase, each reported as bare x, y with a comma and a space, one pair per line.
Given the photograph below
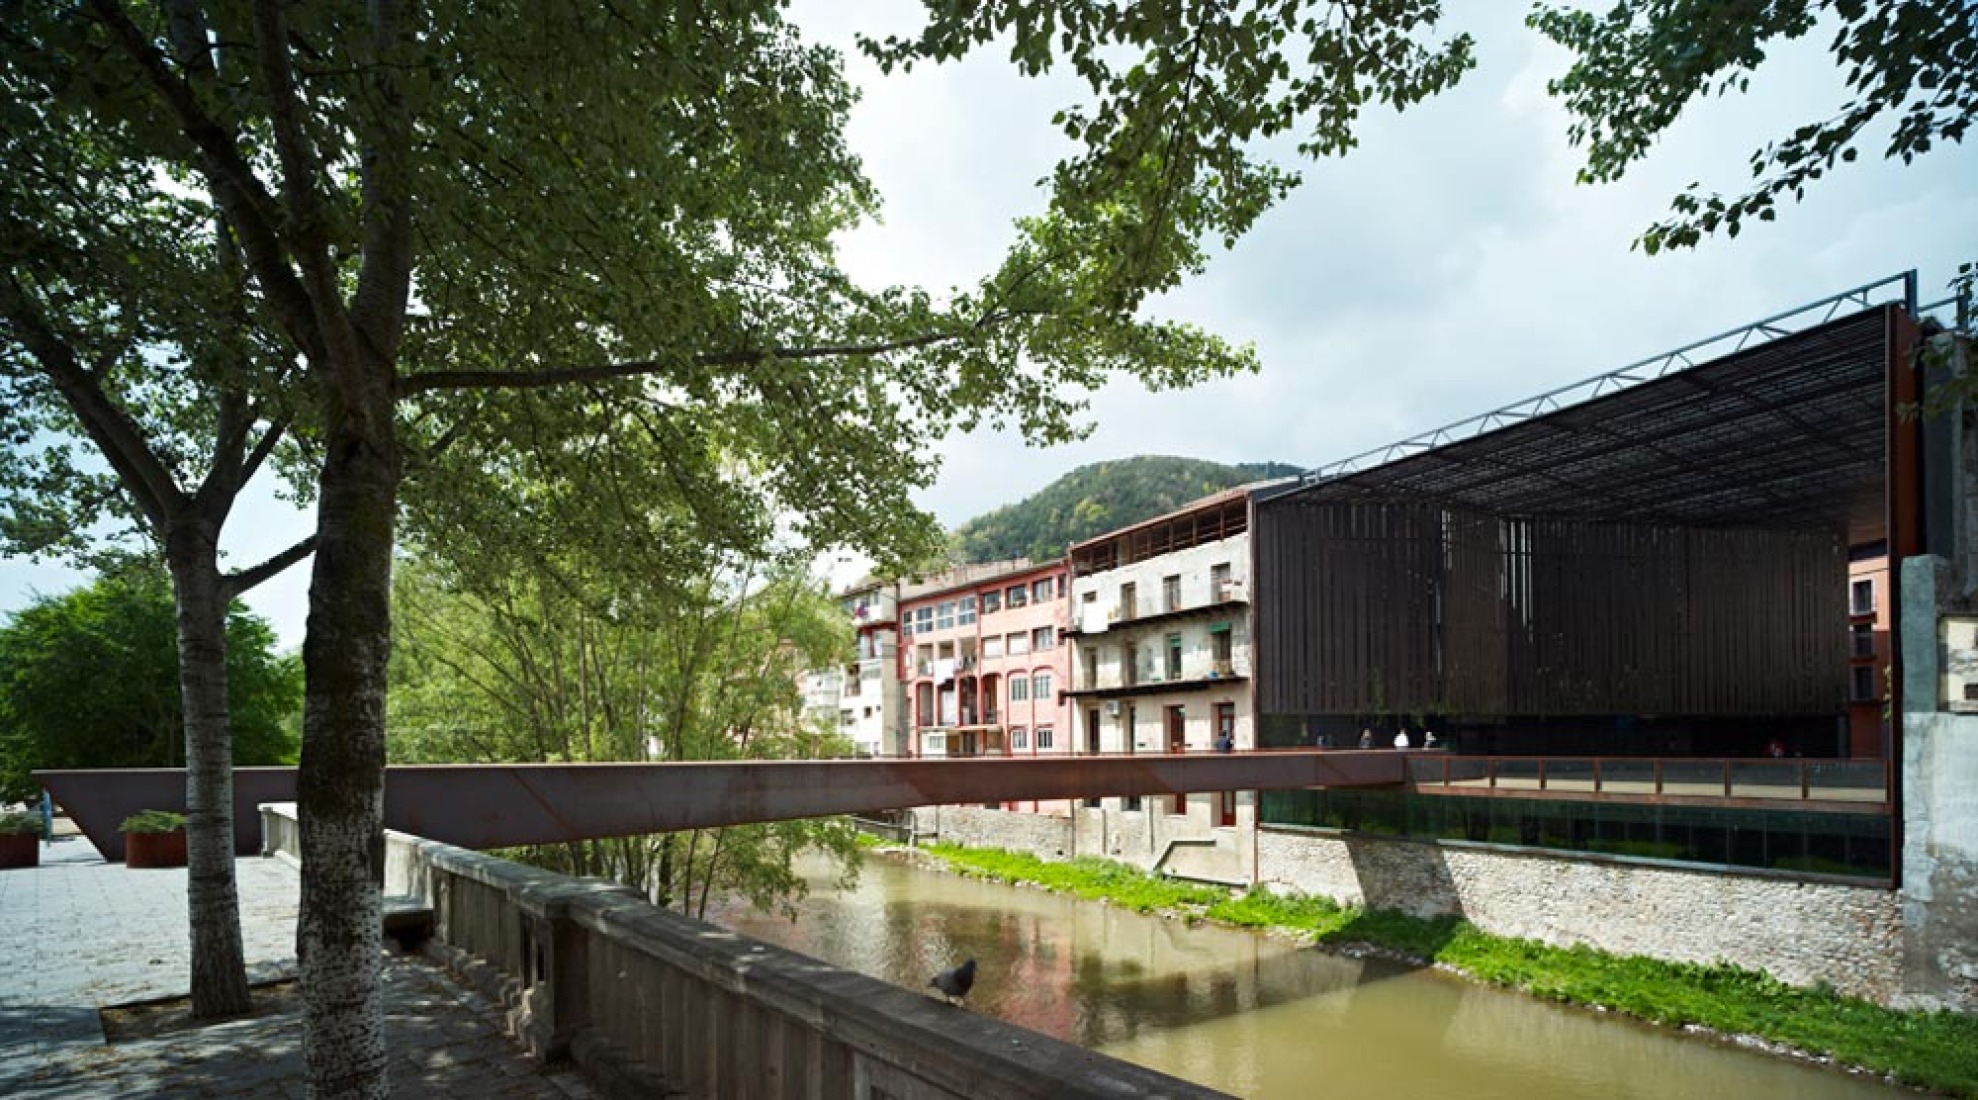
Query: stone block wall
1801, 932
1042, 835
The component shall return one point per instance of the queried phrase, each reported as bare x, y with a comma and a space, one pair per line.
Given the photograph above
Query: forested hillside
1098, 498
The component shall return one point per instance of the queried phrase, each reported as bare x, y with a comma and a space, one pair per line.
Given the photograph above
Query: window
1861, 598
1862, 689
1090, 597
1020, 739
1174, 657
1043, 639
1219, 649
1864, 639
1043, 737
944, 615
923, 620
1091, 659
992, 602
1171, 593
1019, 689
1133, 803
1126, 601
967, 615
992, 646
1017, 644
1040, 687
1041, 591
1016, 596
1219, 582
1061, 586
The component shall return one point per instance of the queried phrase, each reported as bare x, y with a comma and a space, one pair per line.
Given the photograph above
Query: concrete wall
1939, 807
1940, 860
1800, 932
649, 1002
1043, 835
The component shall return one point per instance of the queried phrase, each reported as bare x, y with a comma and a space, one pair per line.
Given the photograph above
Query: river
1258, 1016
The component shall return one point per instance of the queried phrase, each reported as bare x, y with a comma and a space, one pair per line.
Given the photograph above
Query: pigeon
955, 984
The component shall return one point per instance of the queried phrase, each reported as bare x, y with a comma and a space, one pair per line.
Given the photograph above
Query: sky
1448, 266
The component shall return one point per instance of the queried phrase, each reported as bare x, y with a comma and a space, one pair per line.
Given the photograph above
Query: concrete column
1939, 806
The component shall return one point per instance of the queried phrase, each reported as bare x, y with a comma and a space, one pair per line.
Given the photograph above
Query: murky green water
1255, 1016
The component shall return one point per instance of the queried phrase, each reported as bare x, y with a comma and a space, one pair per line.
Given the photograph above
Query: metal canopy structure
1781, 422
1790, 434
1667, 539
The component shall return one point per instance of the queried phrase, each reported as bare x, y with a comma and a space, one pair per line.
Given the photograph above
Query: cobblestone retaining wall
1800, 932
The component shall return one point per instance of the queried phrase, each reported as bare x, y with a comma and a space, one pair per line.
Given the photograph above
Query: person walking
1401, 739
1366, 738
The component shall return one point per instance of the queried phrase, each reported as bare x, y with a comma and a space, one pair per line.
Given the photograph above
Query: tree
127, 325
89, 679
1910, 62
637, 202
557, 664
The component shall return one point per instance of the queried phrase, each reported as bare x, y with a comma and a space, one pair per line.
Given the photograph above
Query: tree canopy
1911, 65
90, 679
1097, 498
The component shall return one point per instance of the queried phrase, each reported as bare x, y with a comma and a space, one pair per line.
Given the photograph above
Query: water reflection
1253, 1015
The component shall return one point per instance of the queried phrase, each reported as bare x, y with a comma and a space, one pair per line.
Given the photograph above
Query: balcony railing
1857, 785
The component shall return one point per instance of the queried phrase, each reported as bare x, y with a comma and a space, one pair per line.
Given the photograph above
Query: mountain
1101, 497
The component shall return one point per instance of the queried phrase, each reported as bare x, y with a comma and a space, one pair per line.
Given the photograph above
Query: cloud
1448, 266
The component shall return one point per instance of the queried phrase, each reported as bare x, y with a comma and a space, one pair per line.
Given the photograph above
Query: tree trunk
341, 782
219, 967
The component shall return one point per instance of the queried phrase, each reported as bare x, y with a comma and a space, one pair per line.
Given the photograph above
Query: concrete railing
649, 1002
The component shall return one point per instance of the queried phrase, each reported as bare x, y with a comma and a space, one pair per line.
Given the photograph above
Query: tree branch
384, 282
253, 212
233, 584
150, 484
263, 448
522, 380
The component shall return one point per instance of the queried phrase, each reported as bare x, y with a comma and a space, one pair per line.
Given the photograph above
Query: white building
1161, 663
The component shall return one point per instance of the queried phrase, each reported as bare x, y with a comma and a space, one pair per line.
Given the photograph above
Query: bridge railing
650, 1002
1857, 784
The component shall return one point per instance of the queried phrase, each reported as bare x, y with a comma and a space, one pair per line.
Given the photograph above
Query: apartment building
1161, 663
981, 663
870, 701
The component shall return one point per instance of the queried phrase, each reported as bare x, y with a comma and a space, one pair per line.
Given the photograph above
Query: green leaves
1644, 62
90, 679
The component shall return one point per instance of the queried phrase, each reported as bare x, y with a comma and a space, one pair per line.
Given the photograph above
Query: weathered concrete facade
1185, 846
1940, 808
1800, 932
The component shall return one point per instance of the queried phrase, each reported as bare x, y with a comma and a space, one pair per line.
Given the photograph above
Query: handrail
1728, 777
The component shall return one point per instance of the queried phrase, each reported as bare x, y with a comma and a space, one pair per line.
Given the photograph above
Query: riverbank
1935, 1050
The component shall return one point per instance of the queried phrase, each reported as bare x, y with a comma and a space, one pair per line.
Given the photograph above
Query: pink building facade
983, 666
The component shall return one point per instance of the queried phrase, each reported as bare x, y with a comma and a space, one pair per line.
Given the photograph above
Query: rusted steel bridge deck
499, 805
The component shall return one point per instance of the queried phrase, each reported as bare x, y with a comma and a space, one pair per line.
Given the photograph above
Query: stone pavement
82, 935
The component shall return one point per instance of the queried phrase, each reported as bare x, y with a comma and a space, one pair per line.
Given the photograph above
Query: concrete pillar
1939, 807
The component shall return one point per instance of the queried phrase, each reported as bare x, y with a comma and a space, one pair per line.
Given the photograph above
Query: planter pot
143, 850
19, 850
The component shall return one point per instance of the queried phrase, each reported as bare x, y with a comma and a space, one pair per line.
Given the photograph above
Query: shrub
152, 821
20, 824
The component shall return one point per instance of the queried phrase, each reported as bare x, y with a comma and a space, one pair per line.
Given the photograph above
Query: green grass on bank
1935, 1050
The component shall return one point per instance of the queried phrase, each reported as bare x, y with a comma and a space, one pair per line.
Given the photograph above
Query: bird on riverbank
955, 984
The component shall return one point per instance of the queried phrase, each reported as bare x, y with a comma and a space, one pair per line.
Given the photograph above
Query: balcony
1154, 685
1124, 619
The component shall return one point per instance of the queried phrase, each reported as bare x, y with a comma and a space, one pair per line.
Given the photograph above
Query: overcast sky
1448, 266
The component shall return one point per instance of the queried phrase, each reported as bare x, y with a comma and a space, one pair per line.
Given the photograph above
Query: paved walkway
82, 935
